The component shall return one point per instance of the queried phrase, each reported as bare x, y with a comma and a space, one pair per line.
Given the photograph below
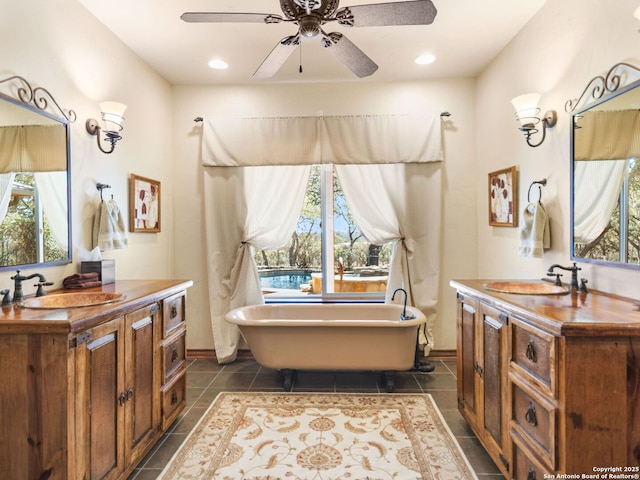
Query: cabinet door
142, 408
100, 374
466, 352
493, 375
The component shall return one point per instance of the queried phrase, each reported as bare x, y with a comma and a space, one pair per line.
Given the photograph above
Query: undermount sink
527, 288
72, 300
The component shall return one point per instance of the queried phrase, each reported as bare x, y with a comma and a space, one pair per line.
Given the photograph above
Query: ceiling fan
311, 15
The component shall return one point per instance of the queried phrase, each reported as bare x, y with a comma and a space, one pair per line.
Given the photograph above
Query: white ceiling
465, 36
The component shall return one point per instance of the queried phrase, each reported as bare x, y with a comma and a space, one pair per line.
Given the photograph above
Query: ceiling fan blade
227, 17
349, 54
276, 58
415, 12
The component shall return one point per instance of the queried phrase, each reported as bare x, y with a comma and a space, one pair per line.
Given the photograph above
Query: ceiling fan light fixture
218, 64
426, 59
309, 26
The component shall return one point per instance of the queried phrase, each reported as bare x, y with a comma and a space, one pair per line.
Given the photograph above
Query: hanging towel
535, 236
109, 232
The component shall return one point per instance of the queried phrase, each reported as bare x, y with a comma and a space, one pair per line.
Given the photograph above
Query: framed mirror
605, 169
35, 196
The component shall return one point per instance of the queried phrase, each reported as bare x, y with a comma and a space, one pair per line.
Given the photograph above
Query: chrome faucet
403, 315
18, 294
574, 274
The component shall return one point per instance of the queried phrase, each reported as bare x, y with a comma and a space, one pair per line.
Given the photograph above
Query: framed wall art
503, 195
144, 205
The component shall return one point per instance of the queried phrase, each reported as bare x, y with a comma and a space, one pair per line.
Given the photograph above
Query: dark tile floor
205, 379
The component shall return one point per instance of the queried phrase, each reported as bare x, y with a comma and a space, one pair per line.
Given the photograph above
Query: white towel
534, 231
109, 231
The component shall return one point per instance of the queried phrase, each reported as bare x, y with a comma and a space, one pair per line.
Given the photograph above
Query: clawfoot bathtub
293, 337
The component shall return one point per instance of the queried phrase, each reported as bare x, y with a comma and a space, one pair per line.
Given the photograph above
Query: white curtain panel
259, 208
240, 142
597, 186
52, 188
380, 139
405, 209
6, 184
267, 202
313, 140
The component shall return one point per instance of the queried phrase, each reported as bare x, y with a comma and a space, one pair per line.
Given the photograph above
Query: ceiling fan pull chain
300, 69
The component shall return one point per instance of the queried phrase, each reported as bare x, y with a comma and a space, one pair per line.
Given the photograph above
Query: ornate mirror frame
18, 91
620, 79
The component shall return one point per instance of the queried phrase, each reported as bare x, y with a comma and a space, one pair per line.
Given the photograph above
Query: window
326, 239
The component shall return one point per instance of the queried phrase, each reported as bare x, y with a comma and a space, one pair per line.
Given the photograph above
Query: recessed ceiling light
425, 59
218, 64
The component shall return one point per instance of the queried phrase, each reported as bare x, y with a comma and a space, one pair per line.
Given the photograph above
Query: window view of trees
349, 250
620, 241
20, 238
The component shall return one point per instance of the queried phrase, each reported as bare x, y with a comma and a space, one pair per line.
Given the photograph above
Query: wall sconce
527, 111
112, 116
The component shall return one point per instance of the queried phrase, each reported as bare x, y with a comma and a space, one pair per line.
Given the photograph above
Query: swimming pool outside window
326, 239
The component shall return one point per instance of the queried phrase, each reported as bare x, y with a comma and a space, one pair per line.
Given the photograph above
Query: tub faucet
403, 315
18, 294
574, 274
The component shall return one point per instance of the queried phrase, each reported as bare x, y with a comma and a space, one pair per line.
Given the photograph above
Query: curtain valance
315, 140
608, 135
33, 148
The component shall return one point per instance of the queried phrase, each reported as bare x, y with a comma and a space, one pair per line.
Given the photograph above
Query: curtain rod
443, 114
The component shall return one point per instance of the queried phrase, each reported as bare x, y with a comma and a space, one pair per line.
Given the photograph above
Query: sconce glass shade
113, 115
636, 13
526, 107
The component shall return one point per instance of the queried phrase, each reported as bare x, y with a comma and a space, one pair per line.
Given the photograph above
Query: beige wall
58, 45
566, 44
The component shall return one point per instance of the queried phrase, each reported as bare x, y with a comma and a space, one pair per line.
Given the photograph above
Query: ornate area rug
320, 436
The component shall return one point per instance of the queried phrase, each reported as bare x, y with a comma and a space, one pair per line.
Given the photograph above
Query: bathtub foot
390, 379
287, 381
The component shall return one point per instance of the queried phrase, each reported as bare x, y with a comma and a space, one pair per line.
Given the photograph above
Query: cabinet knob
531, 475
531, 352
530, 416
129, 393
174, 397
122, 398
174, 311
174, 353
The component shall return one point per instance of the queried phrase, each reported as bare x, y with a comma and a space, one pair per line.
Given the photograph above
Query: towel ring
542, 182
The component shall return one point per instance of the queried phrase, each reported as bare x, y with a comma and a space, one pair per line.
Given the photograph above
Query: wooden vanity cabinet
82, 391
118, 412
482, 375
567, 392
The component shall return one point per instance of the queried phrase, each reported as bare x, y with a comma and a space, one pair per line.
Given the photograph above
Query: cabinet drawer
524, 467
173, 353
172, 313
173, 400
534, 419
533, 353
